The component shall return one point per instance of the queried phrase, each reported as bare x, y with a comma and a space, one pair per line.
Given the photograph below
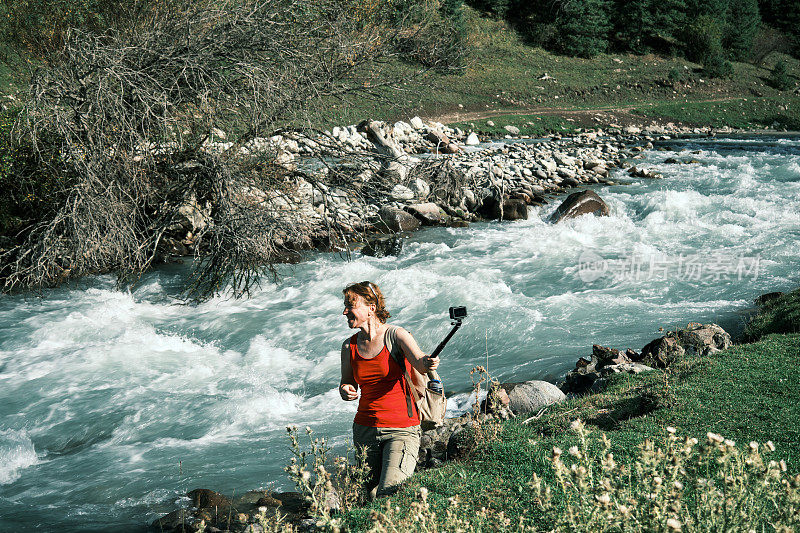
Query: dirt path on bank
621, 115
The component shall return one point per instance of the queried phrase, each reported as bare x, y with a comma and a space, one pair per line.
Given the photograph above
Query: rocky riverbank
428, 174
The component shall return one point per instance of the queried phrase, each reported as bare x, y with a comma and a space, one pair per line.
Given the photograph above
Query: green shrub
675, 74
779, 77
716, 66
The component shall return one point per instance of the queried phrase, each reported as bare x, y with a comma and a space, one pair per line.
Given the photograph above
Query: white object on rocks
490, 123
472, 139
417, 123
513, 130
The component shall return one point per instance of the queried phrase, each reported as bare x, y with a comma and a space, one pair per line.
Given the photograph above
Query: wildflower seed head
693, 441
604, 498
657, 480
576, 425
753, 445
729, 443
714, 438
678, 485
557, 451
423, 494
306, 475
769, 446
782, 465
671, 430
573, 451
673, 524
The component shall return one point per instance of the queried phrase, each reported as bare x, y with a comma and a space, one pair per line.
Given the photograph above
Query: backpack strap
390, 340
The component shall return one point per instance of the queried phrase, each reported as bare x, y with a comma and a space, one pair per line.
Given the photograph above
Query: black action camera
457, 313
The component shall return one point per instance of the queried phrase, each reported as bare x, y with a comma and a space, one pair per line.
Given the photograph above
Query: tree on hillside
783, 15
641, 25
119, 125
741, 25
582, 26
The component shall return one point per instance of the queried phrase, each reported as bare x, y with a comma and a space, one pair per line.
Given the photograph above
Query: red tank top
383, 390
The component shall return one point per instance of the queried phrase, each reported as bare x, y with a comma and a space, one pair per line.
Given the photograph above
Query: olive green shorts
391, 455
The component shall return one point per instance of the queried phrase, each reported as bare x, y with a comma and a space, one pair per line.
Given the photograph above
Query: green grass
532, 125
748, 392
781, 315
781, 112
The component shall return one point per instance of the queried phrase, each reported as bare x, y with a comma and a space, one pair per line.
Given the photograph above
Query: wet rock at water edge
383, 246
428, 213
396, 220
580, 203
205, 498
703, 339
512, 209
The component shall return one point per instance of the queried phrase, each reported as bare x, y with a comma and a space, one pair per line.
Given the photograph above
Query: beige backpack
430, 405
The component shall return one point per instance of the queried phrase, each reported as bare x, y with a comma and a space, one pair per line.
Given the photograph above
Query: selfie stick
435, 384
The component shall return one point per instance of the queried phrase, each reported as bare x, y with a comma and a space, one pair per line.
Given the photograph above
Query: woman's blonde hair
371, 295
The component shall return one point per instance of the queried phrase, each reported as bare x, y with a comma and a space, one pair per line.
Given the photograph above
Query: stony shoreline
482, 180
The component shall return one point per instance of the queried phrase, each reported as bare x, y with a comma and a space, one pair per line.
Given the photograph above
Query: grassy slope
502, 78
749, 392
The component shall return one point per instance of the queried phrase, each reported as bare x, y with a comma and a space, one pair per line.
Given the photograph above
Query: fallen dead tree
124, 121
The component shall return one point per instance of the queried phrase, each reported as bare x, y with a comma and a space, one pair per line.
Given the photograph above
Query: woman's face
357, 310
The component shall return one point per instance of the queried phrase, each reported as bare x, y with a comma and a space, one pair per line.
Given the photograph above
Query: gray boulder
532, 396
580, 203
427, 213
703, 339
396, 220
662, 352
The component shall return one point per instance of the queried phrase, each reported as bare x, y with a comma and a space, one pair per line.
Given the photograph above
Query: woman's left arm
423, 363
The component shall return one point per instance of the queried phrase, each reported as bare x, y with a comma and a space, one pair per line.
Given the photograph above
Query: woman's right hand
348, 392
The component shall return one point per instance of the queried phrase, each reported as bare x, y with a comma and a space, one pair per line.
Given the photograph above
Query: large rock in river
580, 203
510, 209
428, 213
396, 220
